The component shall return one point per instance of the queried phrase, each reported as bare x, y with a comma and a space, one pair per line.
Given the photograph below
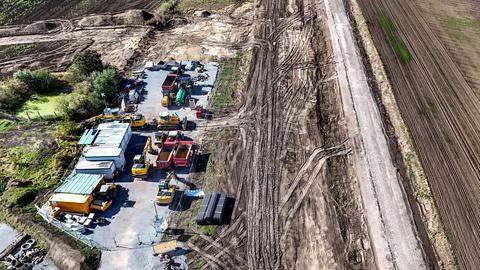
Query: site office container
105, 153
113, 134
71, 203
105, 168
75, 194
183, 152
165, 155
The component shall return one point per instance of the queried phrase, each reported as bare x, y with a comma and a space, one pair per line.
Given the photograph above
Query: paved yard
130, 233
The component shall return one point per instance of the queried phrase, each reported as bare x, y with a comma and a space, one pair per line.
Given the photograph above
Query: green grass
14, 10
43, 104
198, 264
6, 125
397, 44
460, 23
456, 26
228, 81
185, 5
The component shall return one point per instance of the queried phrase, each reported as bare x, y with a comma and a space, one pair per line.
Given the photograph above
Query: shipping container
105, 154
106, 168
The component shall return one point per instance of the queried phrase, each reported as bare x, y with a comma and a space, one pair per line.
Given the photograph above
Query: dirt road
388, 215
441, 109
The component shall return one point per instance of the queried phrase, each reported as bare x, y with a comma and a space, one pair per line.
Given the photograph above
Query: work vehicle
171, 121
202, 113
135, 120
141, 166
180, 97
165, 155
165, 196
159, 138
133, 96
104, 197
166, 101
174, 136
183, 152
170, 84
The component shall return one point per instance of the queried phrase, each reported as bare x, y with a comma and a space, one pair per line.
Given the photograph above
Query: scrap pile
24, 257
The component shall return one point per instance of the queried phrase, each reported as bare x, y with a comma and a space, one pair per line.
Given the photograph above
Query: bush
13, 94
39, 81
19, 196
84, 64
82, 103
106, 83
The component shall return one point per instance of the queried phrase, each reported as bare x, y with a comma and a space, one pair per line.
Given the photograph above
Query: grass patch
199, 264
44, 104
228, 82
12, 11
6, 125
186, 5
461, 23
397, 44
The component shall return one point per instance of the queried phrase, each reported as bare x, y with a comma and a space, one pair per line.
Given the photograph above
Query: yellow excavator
169, 121
141, 164
135, 120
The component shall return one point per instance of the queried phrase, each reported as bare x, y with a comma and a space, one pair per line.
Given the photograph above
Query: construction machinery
141, 165
135, 120
104, 197
166, 192
169, 121
159, 138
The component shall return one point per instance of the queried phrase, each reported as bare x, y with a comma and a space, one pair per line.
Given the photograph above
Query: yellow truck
141, 166
165, 101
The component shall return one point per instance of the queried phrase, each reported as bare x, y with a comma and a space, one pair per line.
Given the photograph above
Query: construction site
246, 135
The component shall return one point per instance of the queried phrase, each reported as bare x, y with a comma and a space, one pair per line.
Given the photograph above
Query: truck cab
140, 166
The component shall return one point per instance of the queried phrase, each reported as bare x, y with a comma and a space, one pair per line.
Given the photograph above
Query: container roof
102, 152
80, 184
90, 165
88, 136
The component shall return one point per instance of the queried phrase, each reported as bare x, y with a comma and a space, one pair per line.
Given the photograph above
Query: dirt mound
131, 17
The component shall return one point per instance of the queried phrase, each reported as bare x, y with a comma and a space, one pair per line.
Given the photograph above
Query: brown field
438, 94
59, 9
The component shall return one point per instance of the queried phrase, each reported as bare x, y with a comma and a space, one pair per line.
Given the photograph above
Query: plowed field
437, 91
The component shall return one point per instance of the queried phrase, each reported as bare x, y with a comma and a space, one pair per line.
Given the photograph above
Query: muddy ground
285, 165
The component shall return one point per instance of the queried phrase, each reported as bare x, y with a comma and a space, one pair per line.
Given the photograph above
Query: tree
106, 83
39, 81
80, 104
85, 63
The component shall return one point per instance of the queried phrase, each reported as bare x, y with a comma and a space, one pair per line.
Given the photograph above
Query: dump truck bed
183, 153
165, 156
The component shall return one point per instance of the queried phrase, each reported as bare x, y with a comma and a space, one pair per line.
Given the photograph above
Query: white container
99, 153
105, 168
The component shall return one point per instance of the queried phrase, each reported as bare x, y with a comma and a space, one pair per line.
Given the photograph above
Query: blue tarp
198, 193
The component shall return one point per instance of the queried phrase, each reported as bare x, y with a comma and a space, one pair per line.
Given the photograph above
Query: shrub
84, 64
13, 93
82, 103
39, 81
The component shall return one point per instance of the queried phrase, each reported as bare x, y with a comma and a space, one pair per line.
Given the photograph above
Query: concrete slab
7, 236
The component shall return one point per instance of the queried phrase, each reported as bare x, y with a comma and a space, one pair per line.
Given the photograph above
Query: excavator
171, 122
141, 165
135, 120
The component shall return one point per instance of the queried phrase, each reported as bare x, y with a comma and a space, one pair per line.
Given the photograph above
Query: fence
77, 235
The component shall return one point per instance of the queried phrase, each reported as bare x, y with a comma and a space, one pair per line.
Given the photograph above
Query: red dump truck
165, 155
169, 85
183, 153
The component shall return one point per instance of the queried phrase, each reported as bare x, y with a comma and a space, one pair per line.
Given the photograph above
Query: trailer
183, 153
169, 85
106, 168
165, 156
